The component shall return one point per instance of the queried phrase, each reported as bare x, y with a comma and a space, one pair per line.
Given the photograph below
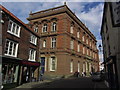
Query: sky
90, 13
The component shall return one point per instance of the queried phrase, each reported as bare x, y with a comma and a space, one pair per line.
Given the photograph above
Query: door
42, 64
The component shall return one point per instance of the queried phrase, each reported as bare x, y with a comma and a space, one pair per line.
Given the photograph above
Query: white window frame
71, 29
32, 54
84, 67
36, 29
87, 52
33, 39
55, 62
86, 41
72, 44
53, 42
71, 67
13, 54
78, 34
78, 66
78, 47
54, 27
44, 43
83, 38
15, 32
83, 50
44, 28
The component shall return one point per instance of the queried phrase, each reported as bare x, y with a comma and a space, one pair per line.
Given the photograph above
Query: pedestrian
41, 76
82, 73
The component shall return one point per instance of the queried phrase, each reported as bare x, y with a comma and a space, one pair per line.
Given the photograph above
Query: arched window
36, 28
44, 29
54, 26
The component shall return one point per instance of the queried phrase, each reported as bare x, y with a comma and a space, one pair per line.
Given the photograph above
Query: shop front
16, 71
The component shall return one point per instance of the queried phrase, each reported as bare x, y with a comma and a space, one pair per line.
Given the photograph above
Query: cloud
93, 19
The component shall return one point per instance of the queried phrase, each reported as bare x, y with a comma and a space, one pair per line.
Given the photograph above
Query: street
82, 82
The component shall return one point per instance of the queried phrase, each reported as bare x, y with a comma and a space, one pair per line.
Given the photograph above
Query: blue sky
90, 13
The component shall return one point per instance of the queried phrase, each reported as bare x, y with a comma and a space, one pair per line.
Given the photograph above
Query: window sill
13, 34
10, 55
33, 43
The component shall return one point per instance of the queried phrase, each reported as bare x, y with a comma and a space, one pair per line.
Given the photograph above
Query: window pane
17, 29
14, 49
53, 63
13, 29
7, 45
10, 26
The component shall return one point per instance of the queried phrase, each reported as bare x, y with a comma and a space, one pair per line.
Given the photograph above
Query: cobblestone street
82, 82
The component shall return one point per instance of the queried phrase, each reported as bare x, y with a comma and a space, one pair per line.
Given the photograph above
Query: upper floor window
14, 29
53, 64
44, 43
53, 42
33, 39
83, 50
87, 52
36, 28
11, 48
90, 44
90, 53
44, 29
83, 38
78, 47
78, 34
86, 41
54, 26
32, 54
71, 44
71, 29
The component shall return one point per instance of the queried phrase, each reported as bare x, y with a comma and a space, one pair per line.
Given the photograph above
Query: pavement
73, 82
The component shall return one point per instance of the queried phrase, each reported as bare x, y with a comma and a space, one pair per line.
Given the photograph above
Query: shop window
11, 48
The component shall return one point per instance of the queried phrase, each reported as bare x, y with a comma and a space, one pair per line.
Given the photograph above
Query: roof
13, 16
57, 10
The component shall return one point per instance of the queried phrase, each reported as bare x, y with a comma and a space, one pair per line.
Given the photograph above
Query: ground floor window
52, 63
9, 73
71, 66
78, 66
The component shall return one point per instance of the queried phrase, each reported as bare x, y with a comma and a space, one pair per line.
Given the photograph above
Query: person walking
41, 75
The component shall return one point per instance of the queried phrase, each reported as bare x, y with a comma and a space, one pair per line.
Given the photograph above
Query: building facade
66, 45
20, 50
110, 32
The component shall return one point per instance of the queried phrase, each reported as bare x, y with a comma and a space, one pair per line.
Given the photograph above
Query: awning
13, 60
29, 63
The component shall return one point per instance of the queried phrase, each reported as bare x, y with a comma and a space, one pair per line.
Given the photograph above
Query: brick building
20, 50
66, 45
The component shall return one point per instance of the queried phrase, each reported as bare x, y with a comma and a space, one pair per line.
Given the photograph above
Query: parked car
96, 76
